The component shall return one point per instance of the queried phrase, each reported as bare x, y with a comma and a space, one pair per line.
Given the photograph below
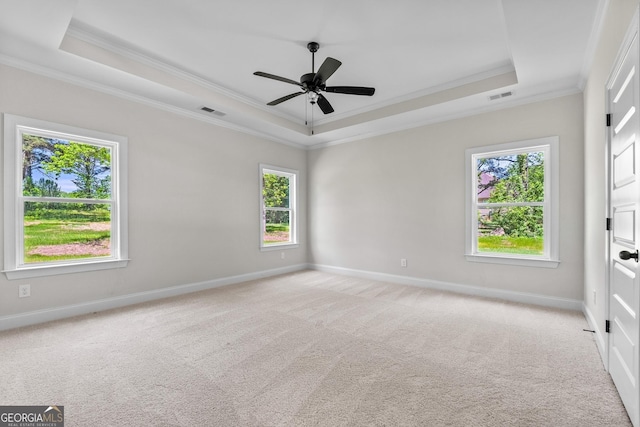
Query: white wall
378, 200
193, 198
617, 20
193, 195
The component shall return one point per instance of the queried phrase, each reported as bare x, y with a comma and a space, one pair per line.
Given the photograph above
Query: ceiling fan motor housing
307, 81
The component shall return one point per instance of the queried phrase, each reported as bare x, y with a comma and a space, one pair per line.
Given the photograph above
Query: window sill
525, 262
51, 270
277, 247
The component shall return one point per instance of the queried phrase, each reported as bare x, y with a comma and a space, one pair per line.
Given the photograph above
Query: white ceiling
429, 60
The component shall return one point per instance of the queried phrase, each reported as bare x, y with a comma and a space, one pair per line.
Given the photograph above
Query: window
278, 207
512, 203
65, 199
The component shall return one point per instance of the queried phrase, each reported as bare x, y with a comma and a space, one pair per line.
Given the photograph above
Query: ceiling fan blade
328, 67
351, 90
285, 98
324, 104
274, 77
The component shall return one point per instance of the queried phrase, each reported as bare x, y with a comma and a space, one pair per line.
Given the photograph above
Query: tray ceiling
428, 60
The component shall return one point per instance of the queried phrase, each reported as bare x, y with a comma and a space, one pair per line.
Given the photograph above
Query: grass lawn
55, 239
276, 233
511, 245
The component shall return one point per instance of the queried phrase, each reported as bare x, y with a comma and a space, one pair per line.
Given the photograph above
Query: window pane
511, 178
513, 230
63, 168
275, 190
277, 228
66, 231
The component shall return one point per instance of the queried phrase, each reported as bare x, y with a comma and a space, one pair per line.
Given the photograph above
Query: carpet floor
314, 349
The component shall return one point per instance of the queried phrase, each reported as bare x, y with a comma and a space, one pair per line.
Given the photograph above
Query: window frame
292, 209
550, 257
14, 266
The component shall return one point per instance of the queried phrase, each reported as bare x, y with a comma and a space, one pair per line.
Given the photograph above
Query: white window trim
550, 259
293, 195
14, 127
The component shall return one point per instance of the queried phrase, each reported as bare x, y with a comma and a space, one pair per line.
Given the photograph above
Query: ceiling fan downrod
313, 48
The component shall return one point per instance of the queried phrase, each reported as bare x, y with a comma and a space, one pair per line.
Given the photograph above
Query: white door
624, 203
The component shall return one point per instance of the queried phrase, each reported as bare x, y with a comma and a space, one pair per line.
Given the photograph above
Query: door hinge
608, 225
607, 326
608, 119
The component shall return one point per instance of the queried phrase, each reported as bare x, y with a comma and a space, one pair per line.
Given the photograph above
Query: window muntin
64, 197
277, 201
512, 209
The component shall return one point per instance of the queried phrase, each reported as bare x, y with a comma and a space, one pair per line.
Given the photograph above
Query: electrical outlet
403, 262
281, 255
24, 291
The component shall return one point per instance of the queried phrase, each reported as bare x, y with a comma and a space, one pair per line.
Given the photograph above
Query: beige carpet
309, 349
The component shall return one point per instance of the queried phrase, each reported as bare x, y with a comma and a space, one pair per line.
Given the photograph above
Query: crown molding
474, 111
592, 44
109, 90
121, 47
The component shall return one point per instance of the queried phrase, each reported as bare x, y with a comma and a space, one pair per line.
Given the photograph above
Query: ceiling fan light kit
315, 82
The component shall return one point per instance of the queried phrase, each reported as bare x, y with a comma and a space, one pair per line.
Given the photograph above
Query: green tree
520, 180
36, 150
87, 163
42, 188
275, 192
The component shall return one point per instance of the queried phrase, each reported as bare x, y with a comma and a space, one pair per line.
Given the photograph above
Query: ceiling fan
313, 83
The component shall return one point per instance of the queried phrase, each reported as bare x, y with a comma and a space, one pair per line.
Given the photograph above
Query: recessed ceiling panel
399, 47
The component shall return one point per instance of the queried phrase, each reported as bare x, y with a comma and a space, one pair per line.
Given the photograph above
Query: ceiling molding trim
474, 78
87, 84
449, 117
592, 44
120, 47
491, 83
505, 30
108, 42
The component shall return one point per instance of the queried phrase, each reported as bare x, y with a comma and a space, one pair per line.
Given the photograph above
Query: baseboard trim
56, 313
599, 336
521, 297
